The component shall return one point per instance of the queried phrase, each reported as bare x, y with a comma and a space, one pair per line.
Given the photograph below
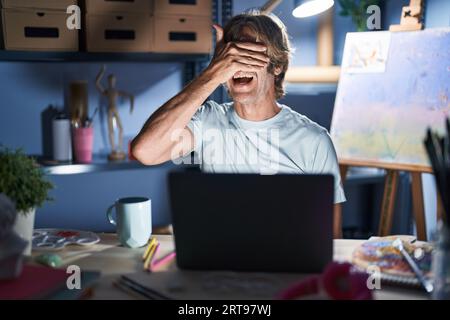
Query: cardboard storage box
39, 4
182, 34
119, 6
118, 33
34, 30
183, 7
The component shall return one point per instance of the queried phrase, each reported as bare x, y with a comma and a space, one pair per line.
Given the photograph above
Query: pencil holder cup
441, 264
83, 139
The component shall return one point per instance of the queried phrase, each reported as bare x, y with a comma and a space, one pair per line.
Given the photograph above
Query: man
253, 133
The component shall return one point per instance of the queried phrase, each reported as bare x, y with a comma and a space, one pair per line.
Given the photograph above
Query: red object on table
67, 234
338, 282
35, 282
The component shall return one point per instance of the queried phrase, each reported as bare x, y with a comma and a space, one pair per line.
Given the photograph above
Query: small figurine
112, 94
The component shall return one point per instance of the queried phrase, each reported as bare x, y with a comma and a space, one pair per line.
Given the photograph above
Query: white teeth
242, 76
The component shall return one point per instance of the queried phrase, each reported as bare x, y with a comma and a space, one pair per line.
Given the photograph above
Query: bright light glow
312, 7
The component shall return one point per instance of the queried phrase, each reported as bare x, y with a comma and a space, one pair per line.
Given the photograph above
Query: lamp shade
307, 8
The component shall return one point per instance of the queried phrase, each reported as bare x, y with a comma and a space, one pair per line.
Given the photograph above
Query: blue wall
81, 200
28, 88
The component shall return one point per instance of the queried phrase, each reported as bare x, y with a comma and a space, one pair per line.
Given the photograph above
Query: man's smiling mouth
242, 79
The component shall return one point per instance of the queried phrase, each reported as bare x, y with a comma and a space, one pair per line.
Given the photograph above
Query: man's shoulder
211, 107
300, 121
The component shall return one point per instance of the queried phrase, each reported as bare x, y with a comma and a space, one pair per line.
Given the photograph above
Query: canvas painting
382, 115
366, 52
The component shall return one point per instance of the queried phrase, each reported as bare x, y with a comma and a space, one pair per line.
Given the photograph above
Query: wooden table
114, 260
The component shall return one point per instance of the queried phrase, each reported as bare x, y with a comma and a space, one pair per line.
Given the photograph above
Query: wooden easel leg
387, 206
418, 205
343, 169
337, 225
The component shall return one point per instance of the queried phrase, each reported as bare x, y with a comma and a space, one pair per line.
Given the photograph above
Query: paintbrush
436, 163
447, 144
427, 285
443, 154
432, 150
446, 160
439, 154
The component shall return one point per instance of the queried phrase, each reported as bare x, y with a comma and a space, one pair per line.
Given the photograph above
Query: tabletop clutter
397, 260
151, 263
340, 280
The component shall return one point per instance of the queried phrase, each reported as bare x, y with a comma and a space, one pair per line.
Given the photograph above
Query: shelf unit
193, 64
99, 164
41, 56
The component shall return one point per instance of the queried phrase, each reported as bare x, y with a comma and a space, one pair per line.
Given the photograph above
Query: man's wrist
200, 88
210, 77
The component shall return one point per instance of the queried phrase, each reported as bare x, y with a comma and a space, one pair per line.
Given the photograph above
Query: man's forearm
156, 137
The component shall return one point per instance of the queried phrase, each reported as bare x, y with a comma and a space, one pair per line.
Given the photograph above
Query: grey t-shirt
286, 143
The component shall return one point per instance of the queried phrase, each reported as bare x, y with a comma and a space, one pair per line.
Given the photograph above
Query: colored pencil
134, 290
120, 285
149, 246
162, 261
145, 291
150, 255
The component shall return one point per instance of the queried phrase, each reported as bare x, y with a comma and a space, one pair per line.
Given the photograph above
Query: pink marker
164, 260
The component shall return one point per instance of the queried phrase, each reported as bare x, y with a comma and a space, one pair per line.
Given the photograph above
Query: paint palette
57, 239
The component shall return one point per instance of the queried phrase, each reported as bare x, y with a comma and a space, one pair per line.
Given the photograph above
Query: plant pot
24, 226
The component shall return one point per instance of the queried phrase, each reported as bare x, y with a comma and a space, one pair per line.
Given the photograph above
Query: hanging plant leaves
357, 10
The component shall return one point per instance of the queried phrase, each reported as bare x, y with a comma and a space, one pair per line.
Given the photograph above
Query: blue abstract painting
392, 87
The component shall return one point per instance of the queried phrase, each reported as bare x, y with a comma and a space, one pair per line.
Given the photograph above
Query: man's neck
258, 111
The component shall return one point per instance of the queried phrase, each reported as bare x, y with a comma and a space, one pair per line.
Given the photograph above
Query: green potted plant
24, 183
357, 10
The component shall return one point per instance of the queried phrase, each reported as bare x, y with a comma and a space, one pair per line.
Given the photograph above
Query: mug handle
109, 215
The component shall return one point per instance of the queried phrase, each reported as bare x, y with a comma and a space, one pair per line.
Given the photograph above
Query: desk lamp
302, 8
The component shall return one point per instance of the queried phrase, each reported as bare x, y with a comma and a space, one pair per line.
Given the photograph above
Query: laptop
252, 222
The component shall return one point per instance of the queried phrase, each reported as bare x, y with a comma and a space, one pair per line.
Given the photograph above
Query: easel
411, 20
390, 192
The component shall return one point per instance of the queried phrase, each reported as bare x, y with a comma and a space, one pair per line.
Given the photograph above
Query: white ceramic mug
133, 220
